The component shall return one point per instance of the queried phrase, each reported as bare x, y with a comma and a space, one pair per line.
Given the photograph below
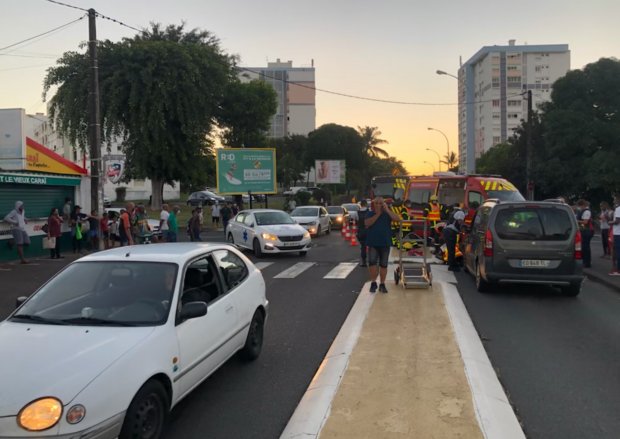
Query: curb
314, 408
495, 415
601, 279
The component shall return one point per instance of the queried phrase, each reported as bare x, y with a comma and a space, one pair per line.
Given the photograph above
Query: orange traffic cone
347, 233
354, 228
353, 240
343, 230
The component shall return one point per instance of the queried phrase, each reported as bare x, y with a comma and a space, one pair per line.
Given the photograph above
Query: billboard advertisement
114, 167
330, 171
241, 170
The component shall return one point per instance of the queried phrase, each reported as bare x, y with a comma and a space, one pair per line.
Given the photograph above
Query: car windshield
305, 211
272, 218
104, 293
530, 223
334, 210
353, 207
506, 195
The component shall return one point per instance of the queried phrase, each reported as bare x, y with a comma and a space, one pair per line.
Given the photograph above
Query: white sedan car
312, 218
115, 340
267, 231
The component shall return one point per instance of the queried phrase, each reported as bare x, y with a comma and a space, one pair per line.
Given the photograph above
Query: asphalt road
557, 357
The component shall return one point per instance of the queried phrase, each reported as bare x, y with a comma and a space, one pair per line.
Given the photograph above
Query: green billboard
241, 170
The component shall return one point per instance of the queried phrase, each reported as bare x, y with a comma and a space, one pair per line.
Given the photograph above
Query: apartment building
295, 87
492, 92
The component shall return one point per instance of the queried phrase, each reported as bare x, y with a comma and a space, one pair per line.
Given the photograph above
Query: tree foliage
159, 91
245, 113
371, 139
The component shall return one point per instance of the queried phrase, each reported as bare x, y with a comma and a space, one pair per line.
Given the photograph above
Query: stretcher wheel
397, 275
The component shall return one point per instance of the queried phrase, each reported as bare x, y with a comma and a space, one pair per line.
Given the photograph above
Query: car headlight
339, 219
40, 415
269, 236
75, 414
306, 235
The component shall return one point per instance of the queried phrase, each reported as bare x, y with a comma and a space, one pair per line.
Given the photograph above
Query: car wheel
303, 253
481, 285
572, 290
254, 342
257, 250
148, 412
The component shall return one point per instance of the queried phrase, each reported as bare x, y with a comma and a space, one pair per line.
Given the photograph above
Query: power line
42, 34
97, 14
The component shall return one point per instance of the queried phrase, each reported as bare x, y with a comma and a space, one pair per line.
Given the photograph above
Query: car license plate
535, 263
290, 244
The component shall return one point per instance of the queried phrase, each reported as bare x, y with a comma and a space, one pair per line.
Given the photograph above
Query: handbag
49, 243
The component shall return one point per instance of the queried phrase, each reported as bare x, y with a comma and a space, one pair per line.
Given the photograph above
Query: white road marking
262, 265
341, 271
295, 270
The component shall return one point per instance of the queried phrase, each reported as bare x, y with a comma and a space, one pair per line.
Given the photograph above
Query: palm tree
370, 136
452, 161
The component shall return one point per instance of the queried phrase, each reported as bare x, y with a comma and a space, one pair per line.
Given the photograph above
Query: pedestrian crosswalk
339, 271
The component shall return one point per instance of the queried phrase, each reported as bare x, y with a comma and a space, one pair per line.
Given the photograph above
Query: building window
496, 140
496, 102
495, 82
514, 103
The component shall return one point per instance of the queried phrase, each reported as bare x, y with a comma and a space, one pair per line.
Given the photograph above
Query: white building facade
492, 93
41, 130
295, 87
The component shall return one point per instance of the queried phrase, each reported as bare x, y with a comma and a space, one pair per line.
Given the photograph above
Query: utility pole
528, 149
94, 130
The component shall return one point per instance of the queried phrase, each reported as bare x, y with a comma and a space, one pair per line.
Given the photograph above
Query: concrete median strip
406, 364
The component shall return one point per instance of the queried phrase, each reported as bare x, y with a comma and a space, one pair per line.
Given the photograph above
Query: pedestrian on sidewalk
17, 219
173, 224
163, 221
616, 233
104, 226
584, 218
225, 214
54, 222
215, 215
362, 214
605, 217
77, 218
379, 240
193, 226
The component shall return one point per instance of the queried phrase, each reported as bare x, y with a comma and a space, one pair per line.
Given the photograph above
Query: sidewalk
601, 266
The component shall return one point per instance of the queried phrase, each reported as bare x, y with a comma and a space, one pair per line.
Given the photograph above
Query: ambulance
409, 195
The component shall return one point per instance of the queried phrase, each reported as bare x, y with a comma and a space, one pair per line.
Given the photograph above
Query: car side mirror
19, 301
191, 310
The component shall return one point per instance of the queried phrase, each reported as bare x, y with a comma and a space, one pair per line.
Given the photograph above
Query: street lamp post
438, 158
441, 72
430, 164
447, 142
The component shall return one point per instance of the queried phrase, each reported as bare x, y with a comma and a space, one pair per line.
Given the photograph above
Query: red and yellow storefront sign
41, 159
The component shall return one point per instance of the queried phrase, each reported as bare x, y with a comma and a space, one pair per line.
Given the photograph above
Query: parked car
115, 340
338, 215
204, 198
267, 231
312, 218
107, 202
294, 189
526, 242
352, 208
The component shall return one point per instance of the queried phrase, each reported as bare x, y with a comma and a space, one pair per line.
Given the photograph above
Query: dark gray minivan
528, 242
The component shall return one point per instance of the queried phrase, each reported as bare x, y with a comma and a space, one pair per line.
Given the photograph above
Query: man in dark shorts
379, 240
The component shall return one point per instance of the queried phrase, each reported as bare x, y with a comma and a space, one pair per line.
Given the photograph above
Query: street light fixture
438, 158
447, 142
430, 164
441, 72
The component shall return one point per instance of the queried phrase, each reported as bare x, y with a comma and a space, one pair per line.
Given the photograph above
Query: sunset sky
386, 50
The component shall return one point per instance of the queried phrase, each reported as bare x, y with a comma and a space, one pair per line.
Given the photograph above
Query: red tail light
578, 245
488, 243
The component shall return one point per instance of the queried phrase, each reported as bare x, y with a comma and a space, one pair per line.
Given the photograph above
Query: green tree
371, 139
581, 132
160, 93
452, 161
246, 112
290, 155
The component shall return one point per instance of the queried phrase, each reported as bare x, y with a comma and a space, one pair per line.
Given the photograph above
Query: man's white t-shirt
215, 210
163, 216
617, 226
